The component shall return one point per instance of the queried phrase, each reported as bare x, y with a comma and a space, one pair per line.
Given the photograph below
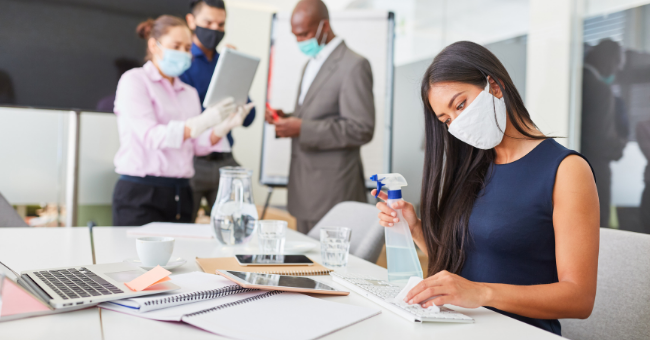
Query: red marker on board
275, 113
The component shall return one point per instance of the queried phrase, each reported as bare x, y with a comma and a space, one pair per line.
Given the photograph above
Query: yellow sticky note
148, 279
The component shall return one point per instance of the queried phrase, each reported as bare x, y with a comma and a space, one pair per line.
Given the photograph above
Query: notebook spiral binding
202, 295
236, 303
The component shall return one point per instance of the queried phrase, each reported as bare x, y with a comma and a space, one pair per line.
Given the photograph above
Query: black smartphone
273, 260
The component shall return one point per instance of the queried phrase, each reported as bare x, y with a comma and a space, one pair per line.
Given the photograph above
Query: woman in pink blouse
161, 128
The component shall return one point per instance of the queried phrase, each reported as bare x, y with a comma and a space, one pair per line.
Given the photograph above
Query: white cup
154, 251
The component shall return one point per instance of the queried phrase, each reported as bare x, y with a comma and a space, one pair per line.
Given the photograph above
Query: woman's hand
449, 288
388, 216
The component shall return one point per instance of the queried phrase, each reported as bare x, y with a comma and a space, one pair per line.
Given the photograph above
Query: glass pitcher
234, 215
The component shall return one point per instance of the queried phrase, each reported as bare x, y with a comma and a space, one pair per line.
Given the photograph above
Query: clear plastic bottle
402, 258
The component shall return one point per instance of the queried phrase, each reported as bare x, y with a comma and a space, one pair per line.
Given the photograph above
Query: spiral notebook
195, 287
278, 315
210, 265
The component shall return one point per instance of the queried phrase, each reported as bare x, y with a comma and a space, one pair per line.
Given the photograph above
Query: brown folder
210, 265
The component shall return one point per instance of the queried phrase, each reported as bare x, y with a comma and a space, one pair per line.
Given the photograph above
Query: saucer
173, 263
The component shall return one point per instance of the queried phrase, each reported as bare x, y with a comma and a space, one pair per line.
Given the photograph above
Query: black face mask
209, 38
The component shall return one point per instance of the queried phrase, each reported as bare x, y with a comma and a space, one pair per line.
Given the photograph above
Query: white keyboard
382, 293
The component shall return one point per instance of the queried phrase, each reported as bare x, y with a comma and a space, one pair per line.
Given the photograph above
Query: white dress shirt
314, 65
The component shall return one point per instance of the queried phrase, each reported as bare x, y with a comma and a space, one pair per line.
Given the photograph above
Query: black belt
216, 156
176, 183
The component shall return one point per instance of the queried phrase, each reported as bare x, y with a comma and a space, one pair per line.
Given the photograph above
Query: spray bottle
403, 261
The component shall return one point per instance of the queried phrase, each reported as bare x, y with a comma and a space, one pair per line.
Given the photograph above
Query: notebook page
192, 284
283, 316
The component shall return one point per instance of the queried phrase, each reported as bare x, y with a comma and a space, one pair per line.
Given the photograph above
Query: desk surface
113, 245
36, 248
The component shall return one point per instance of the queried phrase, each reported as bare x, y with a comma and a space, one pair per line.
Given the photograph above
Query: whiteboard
368, 33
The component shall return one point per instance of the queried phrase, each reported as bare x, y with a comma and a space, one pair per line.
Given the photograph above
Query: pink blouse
151, 114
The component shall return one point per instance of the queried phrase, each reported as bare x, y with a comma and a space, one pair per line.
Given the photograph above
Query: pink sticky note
148, 279
15, 300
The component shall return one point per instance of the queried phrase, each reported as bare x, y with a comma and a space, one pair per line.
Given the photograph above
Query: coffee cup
154, 251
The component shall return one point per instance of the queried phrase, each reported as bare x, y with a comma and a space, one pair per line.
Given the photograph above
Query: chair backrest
622, 307
367, 235
8, 215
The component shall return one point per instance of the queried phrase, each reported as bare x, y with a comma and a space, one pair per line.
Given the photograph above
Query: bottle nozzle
394, 182
379, 184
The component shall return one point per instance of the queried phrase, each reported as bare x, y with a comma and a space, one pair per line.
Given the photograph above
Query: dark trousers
644, 209
205, 182
604, 188
138, 201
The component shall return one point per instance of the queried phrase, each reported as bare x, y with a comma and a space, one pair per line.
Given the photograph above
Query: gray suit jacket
338, 117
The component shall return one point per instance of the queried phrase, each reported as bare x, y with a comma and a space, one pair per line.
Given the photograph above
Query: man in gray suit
334, 116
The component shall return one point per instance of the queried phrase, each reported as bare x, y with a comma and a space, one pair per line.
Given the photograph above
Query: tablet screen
274, 280
265, 259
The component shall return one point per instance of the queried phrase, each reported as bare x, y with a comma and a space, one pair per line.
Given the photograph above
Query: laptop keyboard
76, 283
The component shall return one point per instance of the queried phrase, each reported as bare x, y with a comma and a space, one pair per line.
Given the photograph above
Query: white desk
113, 245
36, 248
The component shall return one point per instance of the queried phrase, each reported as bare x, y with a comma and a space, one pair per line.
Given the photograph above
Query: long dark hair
455, 172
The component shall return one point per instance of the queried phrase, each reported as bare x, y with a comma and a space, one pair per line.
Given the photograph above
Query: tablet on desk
273, 260
279, 282
232, 77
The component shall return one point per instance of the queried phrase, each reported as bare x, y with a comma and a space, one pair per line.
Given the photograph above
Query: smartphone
273, 260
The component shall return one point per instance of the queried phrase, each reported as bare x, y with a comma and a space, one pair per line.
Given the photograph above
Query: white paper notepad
279, 316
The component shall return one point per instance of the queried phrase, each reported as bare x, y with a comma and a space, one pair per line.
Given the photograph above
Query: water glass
335, 246
271, 236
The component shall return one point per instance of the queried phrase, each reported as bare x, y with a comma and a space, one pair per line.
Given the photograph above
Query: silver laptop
74, 287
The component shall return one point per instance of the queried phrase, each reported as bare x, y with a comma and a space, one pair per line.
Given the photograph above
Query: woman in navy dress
509, 217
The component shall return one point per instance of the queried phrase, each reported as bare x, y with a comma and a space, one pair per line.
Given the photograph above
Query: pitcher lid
234, 171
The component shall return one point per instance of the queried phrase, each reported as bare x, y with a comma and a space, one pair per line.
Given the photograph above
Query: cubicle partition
58, 165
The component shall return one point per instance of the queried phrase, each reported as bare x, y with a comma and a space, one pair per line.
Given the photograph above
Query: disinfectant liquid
403, 260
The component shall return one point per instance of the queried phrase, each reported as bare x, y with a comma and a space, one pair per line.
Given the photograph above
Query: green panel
102, 215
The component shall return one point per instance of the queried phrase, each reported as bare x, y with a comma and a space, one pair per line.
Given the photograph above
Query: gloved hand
234, 120
212, 116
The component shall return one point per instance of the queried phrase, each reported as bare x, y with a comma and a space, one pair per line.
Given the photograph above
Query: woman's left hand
449, 288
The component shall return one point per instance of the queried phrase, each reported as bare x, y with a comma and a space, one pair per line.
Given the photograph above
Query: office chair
622, 308
8, 215
367, 235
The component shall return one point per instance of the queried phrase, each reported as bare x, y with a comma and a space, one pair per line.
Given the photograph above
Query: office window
615, 128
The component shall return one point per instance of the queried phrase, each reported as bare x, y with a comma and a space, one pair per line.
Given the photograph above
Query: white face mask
476, 125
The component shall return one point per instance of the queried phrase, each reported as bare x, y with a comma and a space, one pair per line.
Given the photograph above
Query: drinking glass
271, 236
335, 246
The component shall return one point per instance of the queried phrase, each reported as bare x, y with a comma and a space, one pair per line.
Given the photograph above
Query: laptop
71, 288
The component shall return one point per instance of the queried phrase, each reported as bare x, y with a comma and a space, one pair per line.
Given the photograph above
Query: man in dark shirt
207, 19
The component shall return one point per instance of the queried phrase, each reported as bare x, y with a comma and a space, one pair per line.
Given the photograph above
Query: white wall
33, 154
549, 69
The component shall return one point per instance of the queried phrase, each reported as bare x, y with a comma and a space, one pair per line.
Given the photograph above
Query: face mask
174, 62
311, 47
209, 38
477, 126
609, 80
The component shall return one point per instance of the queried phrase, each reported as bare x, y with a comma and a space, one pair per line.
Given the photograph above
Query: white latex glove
212, 116
234, 120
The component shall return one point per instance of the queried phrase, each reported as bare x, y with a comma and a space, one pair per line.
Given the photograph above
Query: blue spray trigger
379, 184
